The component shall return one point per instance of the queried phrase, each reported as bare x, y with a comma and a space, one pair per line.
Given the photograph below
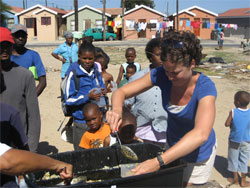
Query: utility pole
46, 3
123, 27
103, 19
23, 4
26, 6
177, 14
76, 14
167, 8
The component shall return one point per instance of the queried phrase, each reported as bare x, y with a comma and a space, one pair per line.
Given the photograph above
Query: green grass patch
206, 71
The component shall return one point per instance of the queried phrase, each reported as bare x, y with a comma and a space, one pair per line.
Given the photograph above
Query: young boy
98, 130
239, 138
107, 77
126, 131
130, 56
130, 71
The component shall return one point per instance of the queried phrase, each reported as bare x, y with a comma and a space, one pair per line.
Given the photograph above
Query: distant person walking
26, 57
66, 53
221, 39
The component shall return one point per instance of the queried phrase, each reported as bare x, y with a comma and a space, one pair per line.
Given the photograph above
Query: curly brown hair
181, 47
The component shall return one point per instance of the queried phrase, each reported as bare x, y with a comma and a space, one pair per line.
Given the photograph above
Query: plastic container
103, 164
102, 101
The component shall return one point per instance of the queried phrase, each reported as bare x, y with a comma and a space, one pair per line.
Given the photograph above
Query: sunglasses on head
176, 44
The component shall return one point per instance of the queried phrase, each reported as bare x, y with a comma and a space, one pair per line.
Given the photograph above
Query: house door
197, 30
86, 24
142, 33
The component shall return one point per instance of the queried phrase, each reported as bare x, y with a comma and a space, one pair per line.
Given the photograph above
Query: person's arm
37, 61
73, 98
17, 162
41, 85
58, 57
114, 117
119, 78
33, 114
204, 121
229, 119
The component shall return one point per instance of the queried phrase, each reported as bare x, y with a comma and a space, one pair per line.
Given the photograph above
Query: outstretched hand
147, 166
114, 119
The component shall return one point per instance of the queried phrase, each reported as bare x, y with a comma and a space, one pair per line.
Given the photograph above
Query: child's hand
93, 95
104, 91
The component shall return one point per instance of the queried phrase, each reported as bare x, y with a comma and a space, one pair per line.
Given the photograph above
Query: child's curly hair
182, 47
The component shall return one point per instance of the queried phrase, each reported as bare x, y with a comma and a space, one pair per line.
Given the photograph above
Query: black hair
156, 42
105, 62
131, 66
100, 51
89, 106
182, 47
130, 49
86, 47
88, 40
242, 97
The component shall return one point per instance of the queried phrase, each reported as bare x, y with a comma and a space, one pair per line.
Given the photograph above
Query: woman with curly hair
189, 98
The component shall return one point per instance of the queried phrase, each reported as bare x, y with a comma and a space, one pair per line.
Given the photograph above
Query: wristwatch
161, 162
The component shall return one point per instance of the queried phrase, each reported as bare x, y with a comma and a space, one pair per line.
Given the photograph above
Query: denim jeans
238, 156
78, 130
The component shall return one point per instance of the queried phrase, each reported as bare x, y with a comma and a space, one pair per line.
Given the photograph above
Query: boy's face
93, 118
156, 57
130, 72
20, 38
87, 60
5, 50
102, 61
130, 56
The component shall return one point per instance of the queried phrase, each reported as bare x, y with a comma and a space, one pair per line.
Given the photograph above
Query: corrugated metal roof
16, 9
237, 12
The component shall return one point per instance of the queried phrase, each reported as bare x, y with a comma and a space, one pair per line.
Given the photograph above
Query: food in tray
47, 176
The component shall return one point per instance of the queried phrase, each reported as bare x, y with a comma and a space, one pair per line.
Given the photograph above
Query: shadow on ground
45, 149
220, 165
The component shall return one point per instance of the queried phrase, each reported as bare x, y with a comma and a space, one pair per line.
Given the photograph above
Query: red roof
16, 9
112, 11
237, 12
60, 11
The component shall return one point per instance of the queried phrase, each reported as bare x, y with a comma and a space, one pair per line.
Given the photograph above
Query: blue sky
217, 6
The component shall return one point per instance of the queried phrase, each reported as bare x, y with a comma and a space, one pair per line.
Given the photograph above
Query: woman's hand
147, 166
93, 95
114, 119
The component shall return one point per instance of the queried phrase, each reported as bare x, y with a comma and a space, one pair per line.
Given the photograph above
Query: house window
205, 22
72, 25
153, 23
29, 22
98, 23
130, 24
46, 20
10, 22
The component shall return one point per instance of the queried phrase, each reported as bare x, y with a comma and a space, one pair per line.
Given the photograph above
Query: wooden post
76, 14
123, 27
103, 20
177, 14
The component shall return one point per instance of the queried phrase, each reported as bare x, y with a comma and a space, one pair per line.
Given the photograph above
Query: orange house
141, 14
201, 21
